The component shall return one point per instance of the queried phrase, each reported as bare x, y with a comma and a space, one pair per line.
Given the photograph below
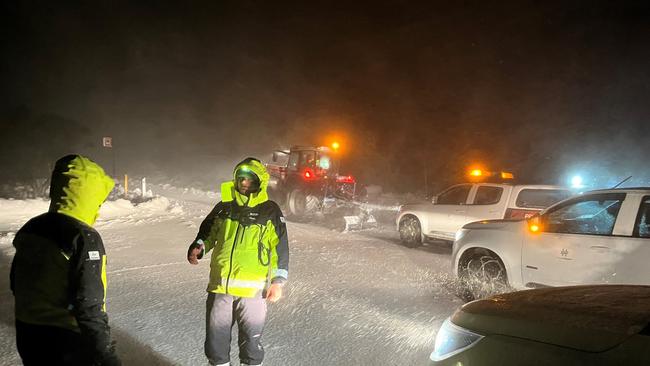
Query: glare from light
476, 173
576, 181
324, 162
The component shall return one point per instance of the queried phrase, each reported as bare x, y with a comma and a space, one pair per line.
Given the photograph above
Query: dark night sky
543, 88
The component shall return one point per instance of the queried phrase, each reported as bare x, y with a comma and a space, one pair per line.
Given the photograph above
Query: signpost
107, 142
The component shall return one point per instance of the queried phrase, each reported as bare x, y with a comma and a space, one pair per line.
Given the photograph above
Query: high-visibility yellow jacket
248, 239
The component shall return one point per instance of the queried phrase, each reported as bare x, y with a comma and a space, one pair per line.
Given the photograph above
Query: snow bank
121, 208
15, 213
169, 190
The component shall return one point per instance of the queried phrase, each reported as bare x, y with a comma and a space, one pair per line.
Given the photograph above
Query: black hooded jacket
58, 274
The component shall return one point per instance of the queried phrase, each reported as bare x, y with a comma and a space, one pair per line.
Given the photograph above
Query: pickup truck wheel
483, 275
410, 232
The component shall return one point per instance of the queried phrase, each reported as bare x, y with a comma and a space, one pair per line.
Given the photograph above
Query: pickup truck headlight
452, 339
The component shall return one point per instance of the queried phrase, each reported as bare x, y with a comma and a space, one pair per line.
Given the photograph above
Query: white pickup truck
597, 237
465, 203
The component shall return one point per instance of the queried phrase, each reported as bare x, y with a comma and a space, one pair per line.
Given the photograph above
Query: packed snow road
352, 298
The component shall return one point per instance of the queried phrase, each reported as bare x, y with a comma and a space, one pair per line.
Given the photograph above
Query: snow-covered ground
357, 298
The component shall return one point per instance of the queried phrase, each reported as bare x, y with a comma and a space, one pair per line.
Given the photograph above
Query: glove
195, 252
274, 292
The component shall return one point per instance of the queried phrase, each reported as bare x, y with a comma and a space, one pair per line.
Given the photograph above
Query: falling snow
356, 298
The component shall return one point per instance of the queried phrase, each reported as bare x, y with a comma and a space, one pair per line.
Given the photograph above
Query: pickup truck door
634, 251
488, 201
574, 245
448, 214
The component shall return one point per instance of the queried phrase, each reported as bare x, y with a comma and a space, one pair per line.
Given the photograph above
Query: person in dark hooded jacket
58, 274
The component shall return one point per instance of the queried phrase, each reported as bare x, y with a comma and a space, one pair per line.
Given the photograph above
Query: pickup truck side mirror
434, 200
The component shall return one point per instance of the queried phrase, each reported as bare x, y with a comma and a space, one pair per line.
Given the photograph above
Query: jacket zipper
232, 252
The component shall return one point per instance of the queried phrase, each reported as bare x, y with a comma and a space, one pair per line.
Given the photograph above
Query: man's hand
274, 293
194, 253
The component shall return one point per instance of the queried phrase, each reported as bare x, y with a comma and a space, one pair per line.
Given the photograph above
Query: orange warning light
476, 173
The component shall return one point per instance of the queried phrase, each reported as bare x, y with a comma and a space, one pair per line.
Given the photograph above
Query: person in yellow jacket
58, 274
249, 266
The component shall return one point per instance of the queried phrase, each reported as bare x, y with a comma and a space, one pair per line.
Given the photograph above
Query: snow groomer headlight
452, 339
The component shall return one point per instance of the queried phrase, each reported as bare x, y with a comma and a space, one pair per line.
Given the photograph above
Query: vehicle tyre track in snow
356, 300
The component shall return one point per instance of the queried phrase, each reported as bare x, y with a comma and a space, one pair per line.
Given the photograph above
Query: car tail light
519, 213
345, 179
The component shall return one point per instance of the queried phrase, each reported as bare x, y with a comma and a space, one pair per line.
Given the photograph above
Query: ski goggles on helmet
245, 172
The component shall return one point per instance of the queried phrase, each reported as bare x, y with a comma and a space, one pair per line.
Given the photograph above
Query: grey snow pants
222, 312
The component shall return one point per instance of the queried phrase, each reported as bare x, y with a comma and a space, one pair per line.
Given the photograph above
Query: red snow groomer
306, 181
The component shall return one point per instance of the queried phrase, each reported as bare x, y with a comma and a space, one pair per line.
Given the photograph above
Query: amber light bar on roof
479, 173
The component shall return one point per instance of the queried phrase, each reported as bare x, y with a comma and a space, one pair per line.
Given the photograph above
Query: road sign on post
107, 142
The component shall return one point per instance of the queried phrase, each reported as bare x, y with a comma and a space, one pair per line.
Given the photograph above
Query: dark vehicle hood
590, 318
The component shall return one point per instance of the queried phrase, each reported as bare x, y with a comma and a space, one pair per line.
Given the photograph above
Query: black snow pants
47, 345
222, 312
